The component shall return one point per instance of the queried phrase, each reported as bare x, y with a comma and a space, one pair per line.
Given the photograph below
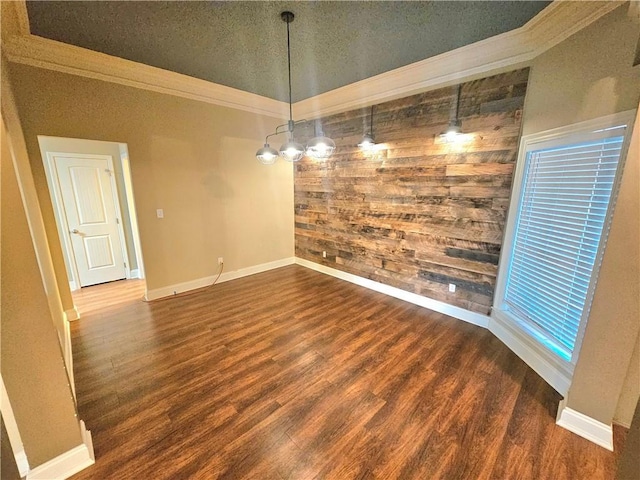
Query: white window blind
563, 209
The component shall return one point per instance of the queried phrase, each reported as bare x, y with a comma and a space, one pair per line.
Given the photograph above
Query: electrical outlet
220, 260
324, 254
160, 213
452, 287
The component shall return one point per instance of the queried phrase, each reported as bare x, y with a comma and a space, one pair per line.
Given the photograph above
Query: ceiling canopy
243, 45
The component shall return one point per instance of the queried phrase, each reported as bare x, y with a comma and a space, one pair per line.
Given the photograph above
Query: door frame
131, 204
61, 216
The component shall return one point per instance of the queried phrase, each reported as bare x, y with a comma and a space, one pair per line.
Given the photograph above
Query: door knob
75, 230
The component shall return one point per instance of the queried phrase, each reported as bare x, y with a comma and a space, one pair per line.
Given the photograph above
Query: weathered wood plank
418, 213
480, 169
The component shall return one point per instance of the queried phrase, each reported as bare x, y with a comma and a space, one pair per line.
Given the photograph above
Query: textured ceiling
243, 44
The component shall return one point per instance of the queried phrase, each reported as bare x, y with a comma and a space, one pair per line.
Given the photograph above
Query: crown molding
14, 18
562, 19
22, 17
510, 50
62, 57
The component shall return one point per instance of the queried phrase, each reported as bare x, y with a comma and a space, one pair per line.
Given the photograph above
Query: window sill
552, 369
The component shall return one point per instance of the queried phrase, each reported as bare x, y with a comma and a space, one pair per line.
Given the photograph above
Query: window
560, 210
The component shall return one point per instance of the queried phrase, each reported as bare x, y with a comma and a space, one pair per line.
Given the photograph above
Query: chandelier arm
280, 126
276, 132
291, 125
271, 135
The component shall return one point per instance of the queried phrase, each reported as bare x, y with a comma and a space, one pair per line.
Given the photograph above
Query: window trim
555, 370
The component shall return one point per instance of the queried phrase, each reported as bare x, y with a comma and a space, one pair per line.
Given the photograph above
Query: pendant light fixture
453, 133
267, 155
368, 143
320, 147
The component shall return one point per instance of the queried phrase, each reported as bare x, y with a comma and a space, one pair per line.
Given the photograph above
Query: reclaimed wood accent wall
418, 213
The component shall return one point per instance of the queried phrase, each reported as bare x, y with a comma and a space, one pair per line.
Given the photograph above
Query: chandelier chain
289, 62
458, 103
371, 121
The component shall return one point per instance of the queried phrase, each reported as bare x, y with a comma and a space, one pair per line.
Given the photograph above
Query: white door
89, 204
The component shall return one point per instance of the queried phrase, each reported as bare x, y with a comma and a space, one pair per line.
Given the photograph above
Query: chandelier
319, 148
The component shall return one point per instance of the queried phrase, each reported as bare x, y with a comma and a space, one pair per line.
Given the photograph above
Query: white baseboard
426, 302
69, 463
72, 314
580, 424
225, 277
73, 286
531, 354
135, 273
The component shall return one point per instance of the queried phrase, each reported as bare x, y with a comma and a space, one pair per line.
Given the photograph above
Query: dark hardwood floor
291, 374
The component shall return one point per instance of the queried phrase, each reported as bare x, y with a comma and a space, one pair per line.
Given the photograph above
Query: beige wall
31, 360
34, 214
76, 145
194, 160
587, 76
614, 322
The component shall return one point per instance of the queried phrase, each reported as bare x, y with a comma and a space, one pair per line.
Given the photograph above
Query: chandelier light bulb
368, 143
292, 151
452, 134
267, 155
320, 148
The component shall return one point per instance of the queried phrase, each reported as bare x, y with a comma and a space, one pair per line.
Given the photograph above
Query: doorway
92, 196
91, 213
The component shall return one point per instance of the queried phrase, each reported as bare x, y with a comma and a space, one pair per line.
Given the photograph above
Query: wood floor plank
294, 375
